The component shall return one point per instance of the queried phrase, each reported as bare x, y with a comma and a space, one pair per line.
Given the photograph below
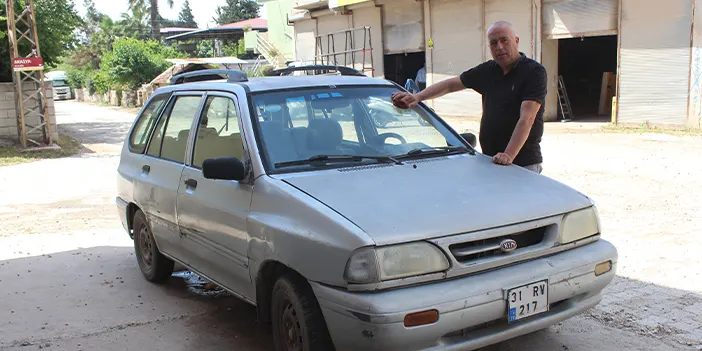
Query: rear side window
177, 129
145, 124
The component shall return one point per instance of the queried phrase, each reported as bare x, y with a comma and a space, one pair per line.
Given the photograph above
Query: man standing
422, 78
513, 89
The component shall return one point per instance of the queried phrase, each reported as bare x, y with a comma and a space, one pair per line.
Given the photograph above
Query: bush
99, 83
134, 62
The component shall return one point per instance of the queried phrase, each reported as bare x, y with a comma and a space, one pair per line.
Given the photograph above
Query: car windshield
59, 83
361, 124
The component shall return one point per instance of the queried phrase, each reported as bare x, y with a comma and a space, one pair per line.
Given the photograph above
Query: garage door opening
400, 67
588, 67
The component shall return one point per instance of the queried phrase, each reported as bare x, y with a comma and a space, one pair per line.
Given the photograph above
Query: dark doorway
588, 66
400, 67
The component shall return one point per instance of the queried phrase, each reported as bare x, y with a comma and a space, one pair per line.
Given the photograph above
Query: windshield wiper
435, 150
336, 158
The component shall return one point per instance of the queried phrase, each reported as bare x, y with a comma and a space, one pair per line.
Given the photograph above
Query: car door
161, 169
212, 214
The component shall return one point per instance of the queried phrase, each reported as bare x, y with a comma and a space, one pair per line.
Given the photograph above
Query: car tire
153, 265
297, 320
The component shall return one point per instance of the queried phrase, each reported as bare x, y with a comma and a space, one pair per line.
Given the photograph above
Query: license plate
527, 300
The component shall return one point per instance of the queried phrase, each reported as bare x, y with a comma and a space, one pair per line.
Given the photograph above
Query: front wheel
154, 266
298, 323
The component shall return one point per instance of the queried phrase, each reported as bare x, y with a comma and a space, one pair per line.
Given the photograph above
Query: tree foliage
186, 18
57, 21
152, 6
134, 62
236, 11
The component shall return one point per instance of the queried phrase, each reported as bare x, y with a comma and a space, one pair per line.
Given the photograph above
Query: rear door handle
191, 183
146, 168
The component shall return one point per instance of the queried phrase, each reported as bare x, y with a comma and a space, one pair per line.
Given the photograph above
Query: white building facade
629, 61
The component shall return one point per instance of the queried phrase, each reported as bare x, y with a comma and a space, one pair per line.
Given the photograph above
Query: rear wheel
153, 265
298, 323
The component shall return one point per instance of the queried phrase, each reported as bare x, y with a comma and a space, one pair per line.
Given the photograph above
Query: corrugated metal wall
569, 18
329, 24
459, 30
458, 38
369, 16
694, 117
519, 13
305, 32
654, 61
403, 27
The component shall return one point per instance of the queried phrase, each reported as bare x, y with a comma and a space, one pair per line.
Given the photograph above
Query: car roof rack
233, 76
343, 70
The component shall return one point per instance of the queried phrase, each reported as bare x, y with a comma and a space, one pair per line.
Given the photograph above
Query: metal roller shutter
694, 117
305, 31
371, 17
573, 18
403, 29
654, 61
517, 12
457, 33
330, 24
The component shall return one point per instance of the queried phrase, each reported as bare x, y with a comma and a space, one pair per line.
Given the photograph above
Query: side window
218, 133
299, 115
171, 135
145, 123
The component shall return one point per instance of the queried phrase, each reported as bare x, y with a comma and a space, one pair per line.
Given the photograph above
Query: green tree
186, 18
57, 24
135, 24
236, 10
152, 5
134, 62
91, 22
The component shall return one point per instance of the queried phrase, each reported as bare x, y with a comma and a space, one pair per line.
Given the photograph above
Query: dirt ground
69, 280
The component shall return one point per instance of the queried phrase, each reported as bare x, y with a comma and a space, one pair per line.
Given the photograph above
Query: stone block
8, 122
9, 132
7, 105
7, 87
9, 96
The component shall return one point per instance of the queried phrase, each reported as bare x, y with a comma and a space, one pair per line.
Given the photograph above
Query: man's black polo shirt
502, 100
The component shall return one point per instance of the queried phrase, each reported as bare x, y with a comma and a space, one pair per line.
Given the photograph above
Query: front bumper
472, 310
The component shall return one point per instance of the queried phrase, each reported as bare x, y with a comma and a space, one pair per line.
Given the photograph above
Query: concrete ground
69, 279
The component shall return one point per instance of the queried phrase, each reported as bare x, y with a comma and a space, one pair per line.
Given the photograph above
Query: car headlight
580, 224
374, 264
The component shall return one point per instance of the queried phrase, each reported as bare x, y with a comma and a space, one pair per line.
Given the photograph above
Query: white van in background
59, 81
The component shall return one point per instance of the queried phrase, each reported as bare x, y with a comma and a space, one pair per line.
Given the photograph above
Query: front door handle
191, 183
146, 168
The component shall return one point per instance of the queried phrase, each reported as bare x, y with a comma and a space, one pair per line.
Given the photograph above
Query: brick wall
8, 114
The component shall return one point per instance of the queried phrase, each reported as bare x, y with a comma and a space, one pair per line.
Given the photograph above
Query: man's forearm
440, 89
523, 128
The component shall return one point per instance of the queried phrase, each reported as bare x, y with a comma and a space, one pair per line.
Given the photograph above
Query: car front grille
473, 250
479, 251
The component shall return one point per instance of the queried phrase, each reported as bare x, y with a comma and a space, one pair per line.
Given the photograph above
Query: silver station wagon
346, 233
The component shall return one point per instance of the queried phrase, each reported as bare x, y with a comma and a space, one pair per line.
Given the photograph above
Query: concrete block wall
8, 113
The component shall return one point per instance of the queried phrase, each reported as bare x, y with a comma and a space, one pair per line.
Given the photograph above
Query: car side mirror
224, 168
470, 138
411, 86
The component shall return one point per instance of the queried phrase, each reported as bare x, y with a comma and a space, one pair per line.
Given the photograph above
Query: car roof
262, 84
257, 84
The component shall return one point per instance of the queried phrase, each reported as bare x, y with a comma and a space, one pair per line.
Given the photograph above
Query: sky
203, 10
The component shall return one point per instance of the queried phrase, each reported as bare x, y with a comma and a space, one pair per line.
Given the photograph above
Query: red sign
28, 64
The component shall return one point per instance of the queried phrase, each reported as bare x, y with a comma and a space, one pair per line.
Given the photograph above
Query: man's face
504, 45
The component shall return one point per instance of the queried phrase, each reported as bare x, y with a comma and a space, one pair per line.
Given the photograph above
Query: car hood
435, 197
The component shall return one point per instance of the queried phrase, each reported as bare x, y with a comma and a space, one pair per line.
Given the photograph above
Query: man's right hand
404, 100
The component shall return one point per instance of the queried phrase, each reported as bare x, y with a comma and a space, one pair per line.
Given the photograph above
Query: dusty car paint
313, 221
